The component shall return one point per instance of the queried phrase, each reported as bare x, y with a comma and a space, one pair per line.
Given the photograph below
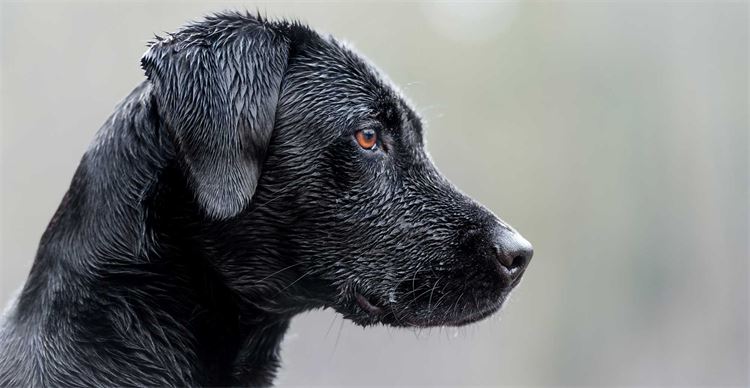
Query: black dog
262, 170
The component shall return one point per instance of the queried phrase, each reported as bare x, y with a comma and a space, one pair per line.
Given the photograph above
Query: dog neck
124, 290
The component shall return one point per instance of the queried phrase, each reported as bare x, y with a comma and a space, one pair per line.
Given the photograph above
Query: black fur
226, 194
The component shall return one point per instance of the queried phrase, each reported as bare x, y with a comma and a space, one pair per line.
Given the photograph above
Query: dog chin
365, 312
460, 318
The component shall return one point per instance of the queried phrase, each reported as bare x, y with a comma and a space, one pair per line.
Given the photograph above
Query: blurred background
613, 135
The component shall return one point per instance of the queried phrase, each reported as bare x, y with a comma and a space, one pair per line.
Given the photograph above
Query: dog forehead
391, 104
328, 75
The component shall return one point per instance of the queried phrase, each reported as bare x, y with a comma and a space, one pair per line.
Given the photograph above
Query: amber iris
367, 138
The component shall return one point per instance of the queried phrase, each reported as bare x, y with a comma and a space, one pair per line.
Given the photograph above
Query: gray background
613, 135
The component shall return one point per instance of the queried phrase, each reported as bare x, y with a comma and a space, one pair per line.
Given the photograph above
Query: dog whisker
338, 337
429, 302
297, 280
279, 271
330, 326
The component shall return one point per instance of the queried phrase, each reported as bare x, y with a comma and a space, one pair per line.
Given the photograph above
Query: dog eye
367, 138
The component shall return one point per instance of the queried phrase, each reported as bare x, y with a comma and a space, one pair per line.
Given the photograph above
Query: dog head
313, 183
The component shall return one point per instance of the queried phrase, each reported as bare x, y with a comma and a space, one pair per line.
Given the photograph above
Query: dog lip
366, 305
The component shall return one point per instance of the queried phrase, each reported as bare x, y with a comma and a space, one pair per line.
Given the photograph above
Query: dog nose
512, 251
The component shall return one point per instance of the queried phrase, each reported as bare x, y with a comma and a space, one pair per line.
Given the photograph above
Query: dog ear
218, 95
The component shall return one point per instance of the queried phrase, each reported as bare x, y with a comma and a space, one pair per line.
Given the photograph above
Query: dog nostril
512, 251
518, 261
512, 260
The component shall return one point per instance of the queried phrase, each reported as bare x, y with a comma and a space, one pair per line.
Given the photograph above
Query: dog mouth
368, 305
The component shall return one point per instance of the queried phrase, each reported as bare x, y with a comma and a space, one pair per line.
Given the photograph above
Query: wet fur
226, 195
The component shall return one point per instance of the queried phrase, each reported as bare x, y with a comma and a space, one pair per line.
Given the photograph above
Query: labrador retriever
261, 170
